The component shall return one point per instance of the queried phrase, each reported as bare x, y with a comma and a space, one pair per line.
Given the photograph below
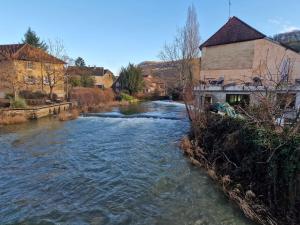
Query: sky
112, 33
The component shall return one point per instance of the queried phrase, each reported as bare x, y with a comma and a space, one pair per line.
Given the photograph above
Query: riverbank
239, 157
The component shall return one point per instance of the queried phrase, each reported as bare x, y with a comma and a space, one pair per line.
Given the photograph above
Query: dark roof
235, 30
85, 71
107, 71
10, 49
27, 52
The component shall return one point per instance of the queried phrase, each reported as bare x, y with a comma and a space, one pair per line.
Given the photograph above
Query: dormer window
29, 65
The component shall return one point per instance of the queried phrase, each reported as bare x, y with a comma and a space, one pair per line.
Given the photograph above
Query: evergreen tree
131, 79
79, 62
30, 37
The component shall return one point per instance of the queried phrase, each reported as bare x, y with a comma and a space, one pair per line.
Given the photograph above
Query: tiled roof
10, 49
235, 30
27, 52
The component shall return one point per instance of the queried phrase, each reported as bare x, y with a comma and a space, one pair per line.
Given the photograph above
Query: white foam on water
169, 103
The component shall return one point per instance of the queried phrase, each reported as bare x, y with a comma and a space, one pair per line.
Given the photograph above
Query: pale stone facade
105, 81
23, 72
241, 62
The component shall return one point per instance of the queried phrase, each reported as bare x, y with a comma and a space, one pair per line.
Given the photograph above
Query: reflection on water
125, 169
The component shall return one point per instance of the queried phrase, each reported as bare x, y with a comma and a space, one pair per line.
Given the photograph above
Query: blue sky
111, 33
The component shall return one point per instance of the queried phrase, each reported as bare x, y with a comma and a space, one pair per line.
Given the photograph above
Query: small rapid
118, 167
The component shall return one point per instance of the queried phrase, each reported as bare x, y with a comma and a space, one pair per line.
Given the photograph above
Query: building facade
238, 60
24, 67
103, 78
154, 86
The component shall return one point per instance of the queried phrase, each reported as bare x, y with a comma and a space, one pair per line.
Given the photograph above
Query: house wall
241, 62
269, 57
106, 80
19, 70
228, 57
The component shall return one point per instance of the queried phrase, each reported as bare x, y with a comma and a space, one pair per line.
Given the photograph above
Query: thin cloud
283, 25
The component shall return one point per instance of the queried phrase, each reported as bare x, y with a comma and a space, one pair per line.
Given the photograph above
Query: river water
121, 167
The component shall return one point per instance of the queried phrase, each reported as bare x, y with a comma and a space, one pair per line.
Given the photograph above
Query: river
120, 167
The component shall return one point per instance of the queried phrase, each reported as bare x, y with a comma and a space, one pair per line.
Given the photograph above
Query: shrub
32, 95
72, 115
126, 97
18, 103
260, 160
92, 96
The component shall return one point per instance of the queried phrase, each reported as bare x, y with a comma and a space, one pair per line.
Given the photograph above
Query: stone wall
38, 112
228, 57
19, 69
241, 62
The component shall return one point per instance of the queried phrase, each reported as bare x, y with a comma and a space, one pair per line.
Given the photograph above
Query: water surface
120, 167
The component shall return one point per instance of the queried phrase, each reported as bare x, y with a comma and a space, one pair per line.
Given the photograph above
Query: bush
92, 96
126, 97
32, 95
18, 103
262, 161
65, 116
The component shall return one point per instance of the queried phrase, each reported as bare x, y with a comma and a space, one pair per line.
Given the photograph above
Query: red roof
27, 52
235, 30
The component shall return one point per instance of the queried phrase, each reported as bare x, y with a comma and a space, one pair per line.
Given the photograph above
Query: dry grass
12, 119
68, 115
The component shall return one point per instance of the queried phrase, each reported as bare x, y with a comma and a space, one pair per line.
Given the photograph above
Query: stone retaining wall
38, 112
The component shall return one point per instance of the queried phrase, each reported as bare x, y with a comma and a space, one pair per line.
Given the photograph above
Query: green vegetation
79, 62
257, 160
131, 79
18, 103
128, 98
82, 81
30, 37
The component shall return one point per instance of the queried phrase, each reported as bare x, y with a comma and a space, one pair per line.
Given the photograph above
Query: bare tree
9, 76
54, 72
182, 53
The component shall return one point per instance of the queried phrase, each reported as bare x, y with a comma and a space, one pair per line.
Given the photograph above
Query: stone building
24, 67
237, 59
154, 86
104, 78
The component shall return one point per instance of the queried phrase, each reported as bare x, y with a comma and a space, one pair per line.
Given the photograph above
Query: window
46, 80
29, 79
208, 100
238, 99
47, 66
29, 65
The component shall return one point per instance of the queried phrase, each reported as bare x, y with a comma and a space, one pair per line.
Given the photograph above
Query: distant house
154, 86
238, 58
24, 67
104, 78
168, 71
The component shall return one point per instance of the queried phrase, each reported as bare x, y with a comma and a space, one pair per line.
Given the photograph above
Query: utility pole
229, 3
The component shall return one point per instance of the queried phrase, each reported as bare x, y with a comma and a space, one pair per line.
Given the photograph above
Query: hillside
291, 39
167, 71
